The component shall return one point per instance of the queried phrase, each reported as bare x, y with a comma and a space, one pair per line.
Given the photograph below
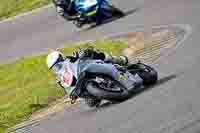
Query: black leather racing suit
98, 55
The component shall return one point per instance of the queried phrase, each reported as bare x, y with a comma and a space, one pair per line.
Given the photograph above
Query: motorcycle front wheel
116, 93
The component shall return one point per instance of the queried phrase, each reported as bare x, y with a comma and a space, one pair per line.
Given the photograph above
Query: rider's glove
75, 54
60, 10
84, 53
88, 52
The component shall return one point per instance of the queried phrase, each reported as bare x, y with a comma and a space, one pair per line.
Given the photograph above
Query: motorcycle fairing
67, 77
89, 7
99, 68
125, 78
85, 5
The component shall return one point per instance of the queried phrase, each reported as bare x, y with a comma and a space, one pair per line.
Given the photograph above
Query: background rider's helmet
61, 2
53, 58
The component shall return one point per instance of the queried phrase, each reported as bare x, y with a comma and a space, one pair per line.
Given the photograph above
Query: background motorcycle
90, 11
95, 83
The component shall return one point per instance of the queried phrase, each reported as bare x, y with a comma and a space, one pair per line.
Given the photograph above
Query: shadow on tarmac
111, 20
159, 82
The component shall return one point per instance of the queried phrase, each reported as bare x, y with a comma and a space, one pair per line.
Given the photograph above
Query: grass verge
9, 8
26, 85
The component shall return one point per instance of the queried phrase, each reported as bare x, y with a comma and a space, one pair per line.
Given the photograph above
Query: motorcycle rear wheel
147, 73
113, 11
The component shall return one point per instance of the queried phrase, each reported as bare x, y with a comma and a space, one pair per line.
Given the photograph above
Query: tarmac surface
172, 106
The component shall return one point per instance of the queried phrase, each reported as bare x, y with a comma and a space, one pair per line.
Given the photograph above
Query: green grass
26, 84
10, 8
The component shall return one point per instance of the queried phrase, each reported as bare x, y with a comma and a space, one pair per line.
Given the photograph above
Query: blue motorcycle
94, 11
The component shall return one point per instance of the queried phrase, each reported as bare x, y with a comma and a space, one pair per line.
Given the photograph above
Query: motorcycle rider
66, 9
56, 60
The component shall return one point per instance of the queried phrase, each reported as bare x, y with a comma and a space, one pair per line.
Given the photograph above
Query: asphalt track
170, 107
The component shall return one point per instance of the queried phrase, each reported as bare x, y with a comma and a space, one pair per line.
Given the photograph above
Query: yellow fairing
91, 13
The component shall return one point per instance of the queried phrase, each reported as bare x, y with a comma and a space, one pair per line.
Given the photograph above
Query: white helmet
53, 58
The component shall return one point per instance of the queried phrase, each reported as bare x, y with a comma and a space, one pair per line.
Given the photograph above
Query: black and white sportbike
95, 80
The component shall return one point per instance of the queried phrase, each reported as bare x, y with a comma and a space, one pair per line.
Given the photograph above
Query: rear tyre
114, 12
149, 76
147, 73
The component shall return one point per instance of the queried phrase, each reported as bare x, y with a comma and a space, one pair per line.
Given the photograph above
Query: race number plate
68, 77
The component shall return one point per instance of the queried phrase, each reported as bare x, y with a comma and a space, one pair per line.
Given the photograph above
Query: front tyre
92, 101
78, 23
116, 93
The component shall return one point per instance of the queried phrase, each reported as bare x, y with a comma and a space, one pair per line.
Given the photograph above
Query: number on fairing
68, 77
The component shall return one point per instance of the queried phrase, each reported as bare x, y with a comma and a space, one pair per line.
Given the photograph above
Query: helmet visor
57, 67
